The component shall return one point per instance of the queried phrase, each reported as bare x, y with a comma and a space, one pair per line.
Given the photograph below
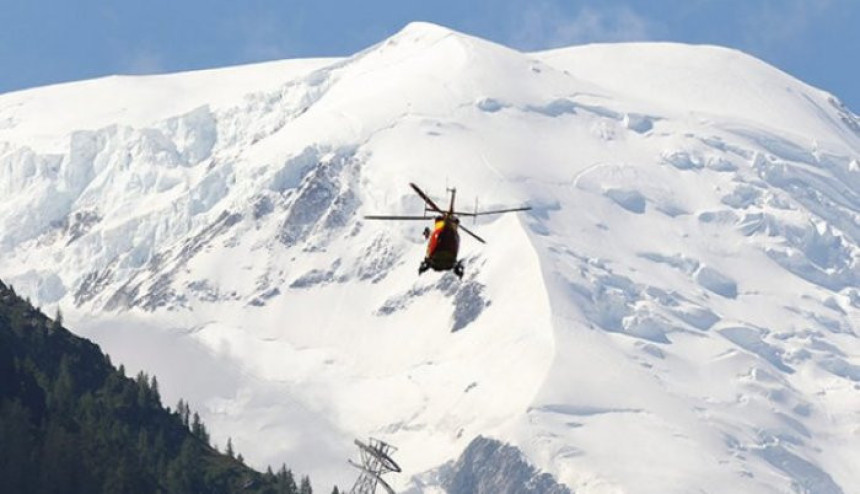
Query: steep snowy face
678, 311
718, 270
228, 238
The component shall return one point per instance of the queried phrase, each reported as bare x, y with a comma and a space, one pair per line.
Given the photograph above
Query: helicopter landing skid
459, 270
425, 265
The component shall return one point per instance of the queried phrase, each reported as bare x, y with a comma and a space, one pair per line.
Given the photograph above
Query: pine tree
153, 386
305, 487
58, 320
199, 429
183, 410
229, 451
286, 481
63, 392
17, 467
184, 473
143, 391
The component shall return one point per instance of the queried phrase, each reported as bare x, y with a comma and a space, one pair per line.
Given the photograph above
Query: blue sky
48, 41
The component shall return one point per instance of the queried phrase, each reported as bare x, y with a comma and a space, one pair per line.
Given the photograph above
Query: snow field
679, 311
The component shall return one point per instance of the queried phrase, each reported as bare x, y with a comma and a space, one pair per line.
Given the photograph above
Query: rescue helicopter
443, 241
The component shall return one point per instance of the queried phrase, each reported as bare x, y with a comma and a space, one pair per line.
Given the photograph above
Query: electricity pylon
375, 461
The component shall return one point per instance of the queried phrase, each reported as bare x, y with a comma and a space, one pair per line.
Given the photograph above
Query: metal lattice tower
375, 461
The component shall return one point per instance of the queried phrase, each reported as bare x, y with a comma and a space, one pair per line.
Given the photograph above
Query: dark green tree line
70, 422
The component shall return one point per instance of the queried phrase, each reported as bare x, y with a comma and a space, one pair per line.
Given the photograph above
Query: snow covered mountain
678, 313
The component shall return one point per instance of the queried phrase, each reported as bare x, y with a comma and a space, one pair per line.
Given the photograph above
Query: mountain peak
687, 274
427, 34
425, 29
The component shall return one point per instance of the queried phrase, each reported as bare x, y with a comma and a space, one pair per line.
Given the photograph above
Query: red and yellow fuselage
443, 244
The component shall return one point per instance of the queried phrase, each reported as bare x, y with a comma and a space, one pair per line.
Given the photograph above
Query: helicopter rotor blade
426, 198
495, 211
388, 217
479, 239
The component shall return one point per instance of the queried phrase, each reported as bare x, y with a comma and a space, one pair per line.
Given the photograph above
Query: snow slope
679, 312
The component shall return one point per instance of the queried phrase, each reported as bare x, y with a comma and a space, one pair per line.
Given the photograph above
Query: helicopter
443, 241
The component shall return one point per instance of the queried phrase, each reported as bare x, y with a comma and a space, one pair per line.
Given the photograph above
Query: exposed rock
488, 466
